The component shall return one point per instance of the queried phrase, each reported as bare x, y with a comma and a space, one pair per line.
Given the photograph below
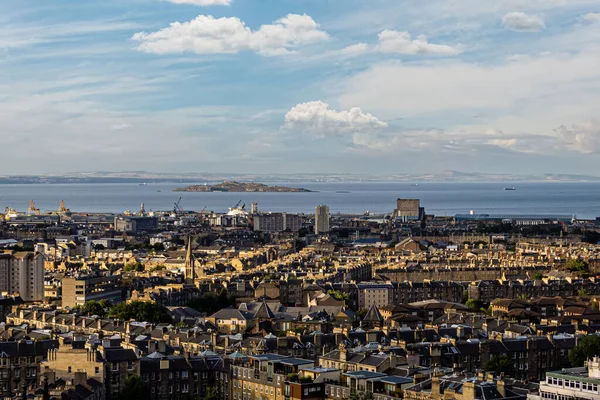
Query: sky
300, 86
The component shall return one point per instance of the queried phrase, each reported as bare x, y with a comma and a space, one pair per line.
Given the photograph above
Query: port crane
32, 209
177, 209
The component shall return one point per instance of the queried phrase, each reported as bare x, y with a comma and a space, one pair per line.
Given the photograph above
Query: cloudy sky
378, 86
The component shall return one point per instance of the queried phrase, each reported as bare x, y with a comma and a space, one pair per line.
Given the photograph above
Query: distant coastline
241, 187
413, 179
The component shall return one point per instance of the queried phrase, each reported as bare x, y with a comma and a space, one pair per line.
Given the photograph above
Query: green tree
579, 266
133, 267
135, 388
339, 295
474, 305
209, 303
140, 311
158, 268
538, 276
587, 348
582, 292
360, 395
211, 394
501, 363
92, 308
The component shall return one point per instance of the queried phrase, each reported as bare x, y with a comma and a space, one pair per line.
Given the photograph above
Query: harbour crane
32, 209
177, 208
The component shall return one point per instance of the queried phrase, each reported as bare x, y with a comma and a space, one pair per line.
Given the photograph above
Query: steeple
189, 263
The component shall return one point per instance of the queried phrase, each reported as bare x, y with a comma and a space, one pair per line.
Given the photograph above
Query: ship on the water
510, 188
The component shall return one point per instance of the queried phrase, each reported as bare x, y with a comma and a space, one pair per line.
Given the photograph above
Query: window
69, 369
129, 365
115, 366
97, 370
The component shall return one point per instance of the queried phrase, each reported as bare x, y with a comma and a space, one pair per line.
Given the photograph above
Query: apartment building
375, 294
321, 219
23, 273
20, 364
77, 291
277, 222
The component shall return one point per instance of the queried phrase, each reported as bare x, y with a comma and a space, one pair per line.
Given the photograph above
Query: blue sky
262, 86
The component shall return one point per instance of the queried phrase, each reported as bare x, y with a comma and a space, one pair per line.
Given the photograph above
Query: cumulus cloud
318, 119
583, 137
202, 3
521, 22
208, 35
592, 17
403, 43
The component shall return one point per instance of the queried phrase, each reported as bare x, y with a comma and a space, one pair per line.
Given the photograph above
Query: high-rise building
23, 273
321, 219
409, 209
277, 222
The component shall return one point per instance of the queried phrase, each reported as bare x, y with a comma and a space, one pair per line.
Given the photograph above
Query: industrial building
135, 224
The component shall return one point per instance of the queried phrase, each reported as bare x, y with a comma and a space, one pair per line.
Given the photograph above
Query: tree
134, 266
140, 311
501, 363
211, 394
587, 348
209, 303
579, 266
474, 305
135, 388
99, 247
538, 276
582, 292
361, 396
339, 295
92, 308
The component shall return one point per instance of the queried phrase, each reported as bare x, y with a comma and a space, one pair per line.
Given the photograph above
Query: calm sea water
581, 199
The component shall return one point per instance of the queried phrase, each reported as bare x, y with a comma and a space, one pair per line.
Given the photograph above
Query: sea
581, 199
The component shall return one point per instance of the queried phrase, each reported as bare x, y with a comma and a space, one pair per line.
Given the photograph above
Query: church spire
189, 263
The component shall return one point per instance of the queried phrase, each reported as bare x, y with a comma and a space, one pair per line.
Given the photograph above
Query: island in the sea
251, 187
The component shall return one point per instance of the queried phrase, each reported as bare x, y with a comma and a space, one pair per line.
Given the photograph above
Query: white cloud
202, 3
524, 83
592, 17
121, 127
354, 50
209, 35
318, 119
582, 137
403, 43
521, 22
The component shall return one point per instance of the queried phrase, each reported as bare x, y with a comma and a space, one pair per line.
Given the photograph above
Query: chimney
152, 346
435, 387
318, 340
281, 342
501, 388
372, 336
469, 391
162, 346
343, 353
